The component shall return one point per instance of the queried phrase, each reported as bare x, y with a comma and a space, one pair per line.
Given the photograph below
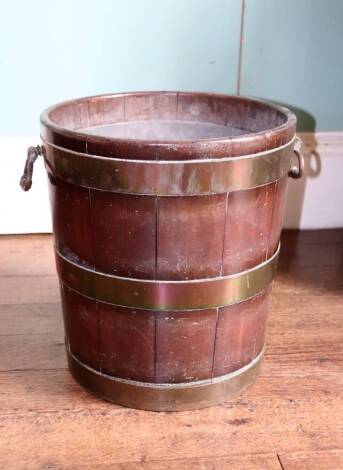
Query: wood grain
321, 460
290, 419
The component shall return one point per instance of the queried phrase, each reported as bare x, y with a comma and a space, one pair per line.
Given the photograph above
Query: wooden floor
292, 418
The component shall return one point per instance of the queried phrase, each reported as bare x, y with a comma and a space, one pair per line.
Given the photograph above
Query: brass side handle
297, 171
32, 155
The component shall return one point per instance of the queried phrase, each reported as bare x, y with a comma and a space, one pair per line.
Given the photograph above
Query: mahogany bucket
167, 210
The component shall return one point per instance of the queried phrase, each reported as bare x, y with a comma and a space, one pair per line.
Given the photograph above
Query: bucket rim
242, 144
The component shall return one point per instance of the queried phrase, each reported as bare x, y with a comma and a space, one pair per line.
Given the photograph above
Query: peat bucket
167, 210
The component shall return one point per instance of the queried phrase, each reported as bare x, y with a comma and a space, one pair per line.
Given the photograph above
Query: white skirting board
22, 212
314, 202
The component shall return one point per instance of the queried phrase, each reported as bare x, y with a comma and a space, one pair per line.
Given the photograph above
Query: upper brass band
168, 178
167, 295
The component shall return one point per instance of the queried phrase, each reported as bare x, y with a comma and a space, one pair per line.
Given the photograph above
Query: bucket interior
164, 116
163, 130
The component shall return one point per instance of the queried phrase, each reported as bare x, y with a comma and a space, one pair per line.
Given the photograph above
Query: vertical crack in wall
240, 51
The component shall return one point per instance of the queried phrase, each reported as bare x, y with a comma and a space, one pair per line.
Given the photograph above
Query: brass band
167, 295
164, 397
168, 178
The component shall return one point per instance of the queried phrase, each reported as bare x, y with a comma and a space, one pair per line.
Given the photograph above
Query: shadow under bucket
167, 211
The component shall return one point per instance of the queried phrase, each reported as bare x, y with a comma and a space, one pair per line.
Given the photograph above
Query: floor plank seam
13, 371
13, 276
279, 460
48, 333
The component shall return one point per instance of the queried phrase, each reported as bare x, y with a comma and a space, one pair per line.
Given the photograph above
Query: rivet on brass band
169, 178
167, 295
164, 397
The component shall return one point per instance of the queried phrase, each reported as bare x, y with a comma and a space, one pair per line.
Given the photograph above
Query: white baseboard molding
22, 212
314, 202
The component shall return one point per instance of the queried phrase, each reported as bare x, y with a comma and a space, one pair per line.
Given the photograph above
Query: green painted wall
55, 50
50, 51
293, 53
